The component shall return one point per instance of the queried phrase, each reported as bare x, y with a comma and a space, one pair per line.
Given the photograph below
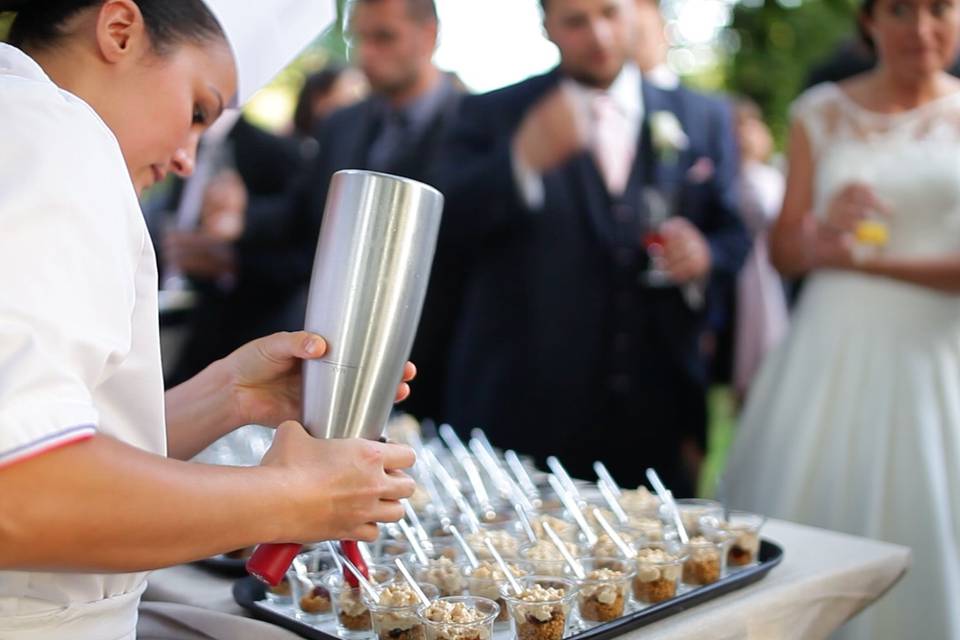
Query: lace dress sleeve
818, 112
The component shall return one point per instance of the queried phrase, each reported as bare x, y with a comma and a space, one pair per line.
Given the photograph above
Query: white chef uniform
79, 337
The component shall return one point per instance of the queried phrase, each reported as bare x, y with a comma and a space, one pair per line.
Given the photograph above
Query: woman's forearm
942, 274
199, 411
104, 506
790, 248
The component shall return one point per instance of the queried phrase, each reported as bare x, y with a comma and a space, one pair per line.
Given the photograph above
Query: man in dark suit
396, 130
567, 344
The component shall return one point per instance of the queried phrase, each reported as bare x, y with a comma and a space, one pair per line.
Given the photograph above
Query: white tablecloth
825, 579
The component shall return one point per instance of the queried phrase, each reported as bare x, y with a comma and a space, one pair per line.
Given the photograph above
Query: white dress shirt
79, 335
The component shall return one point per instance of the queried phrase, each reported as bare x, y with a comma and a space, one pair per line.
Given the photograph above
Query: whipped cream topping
535, 595
502, 541
563, 528
545, 550
489, 570
350, 603
604, 585
639, 500
457, 620
607, 548
443, 573
398, 595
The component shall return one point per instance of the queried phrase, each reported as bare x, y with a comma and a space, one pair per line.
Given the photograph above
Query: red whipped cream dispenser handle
269, 562
351, 549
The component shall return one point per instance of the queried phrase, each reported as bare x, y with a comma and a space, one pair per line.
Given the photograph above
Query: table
825, 579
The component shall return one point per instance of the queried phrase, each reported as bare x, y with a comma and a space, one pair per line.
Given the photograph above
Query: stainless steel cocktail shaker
369, 281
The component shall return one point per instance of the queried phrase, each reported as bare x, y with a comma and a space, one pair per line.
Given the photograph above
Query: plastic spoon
525, 523
465, 460
503, 566
467, 551
450, 486
414, 543
413, 583
612, 502
604, 474
667, 498
571, 505
625, 549
343, 562
558, 470
562, 548
523, 478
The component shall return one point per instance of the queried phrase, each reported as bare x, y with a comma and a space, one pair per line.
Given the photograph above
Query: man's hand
551, 132
686, 254
223, 212
200, 254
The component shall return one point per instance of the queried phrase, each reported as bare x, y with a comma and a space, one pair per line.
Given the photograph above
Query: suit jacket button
622, 213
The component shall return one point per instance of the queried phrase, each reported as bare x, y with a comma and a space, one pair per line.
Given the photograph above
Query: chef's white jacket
79, 336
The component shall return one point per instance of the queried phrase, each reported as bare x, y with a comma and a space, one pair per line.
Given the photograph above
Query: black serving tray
250, 594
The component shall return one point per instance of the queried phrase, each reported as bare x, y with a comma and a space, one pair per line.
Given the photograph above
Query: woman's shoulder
35, 113
58, 155
816, 99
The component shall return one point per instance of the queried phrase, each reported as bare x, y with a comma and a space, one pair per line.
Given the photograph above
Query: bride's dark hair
39, 23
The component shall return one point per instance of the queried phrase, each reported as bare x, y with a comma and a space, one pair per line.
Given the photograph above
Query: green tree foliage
6, 19
780, 42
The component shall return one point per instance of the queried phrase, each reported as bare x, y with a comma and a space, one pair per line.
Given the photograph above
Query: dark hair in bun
39, 23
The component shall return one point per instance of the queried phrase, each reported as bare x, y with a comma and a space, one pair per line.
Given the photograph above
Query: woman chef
99, 99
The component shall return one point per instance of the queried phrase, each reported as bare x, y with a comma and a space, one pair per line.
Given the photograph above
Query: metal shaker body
369, 280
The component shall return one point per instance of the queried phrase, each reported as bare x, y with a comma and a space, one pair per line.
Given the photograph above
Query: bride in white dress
854, 422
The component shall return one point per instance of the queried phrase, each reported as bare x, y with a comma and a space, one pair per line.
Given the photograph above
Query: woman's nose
183, 163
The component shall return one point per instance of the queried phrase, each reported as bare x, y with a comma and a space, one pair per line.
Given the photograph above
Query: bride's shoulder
817, 98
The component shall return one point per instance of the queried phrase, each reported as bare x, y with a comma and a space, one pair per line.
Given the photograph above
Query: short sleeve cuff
27, 432
47, 443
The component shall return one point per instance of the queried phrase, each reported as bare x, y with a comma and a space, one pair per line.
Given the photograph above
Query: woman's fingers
397, 486
388, 511
398, 456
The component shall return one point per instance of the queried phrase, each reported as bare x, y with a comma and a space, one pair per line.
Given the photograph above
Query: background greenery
779, 44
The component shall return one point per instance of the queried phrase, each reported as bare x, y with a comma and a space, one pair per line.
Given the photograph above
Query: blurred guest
594, 208
761, 306
202, 243
650, 45
650, 53
396, 130
334, 87
854, 422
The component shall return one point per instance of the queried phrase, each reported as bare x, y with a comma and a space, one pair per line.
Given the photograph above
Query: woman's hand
337, 489
831, 243
852, 204
265, 376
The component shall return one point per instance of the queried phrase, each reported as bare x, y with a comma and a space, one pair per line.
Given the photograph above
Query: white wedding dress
854, 421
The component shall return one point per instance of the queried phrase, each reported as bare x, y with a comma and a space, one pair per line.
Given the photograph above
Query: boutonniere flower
667, 135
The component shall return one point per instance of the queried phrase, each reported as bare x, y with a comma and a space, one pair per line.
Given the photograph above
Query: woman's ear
121, 32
